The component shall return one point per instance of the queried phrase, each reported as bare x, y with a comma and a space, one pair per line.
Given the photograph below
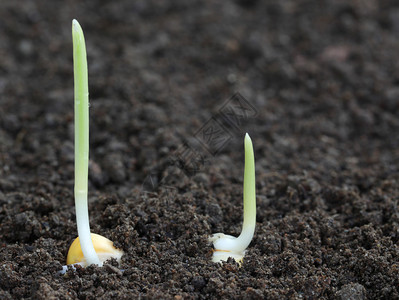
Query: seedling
88, 248
226, 246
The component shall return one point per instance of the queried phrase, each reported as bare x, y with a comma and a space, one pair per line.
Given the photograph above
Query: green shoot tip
76, 25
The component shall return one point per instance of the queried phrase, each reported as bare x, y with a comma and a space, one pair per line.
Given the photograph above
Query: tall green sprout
226, 245
82, 143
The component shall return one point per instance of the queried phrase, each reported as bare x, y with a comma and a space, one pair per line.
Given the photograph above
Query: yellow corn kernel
103, 247
223, 255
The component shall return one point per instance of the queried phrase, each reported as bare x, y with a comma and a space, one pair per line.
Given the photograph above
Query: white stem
82, 220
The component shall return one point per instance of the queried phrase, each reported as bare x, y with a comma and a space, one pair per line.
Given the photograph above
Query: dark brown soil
322, 78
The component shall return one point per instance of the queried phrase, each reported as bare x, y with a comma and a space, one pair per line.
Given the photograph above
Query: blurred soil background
174, 86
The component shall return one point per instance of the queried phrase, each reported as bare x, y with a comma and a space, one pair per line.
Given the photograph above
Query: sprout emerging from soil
229, 246
88, 248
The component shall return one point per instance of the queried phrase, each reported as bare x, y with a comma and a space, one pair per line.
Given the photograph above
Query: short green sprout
88, 248
226, 245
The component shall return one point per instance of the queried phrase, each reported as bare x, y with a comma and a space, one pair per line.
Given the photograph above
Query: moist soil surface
174, 86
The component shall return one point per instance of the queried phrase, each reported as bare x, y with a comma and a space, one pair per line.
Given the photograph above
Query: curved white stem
226, 245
